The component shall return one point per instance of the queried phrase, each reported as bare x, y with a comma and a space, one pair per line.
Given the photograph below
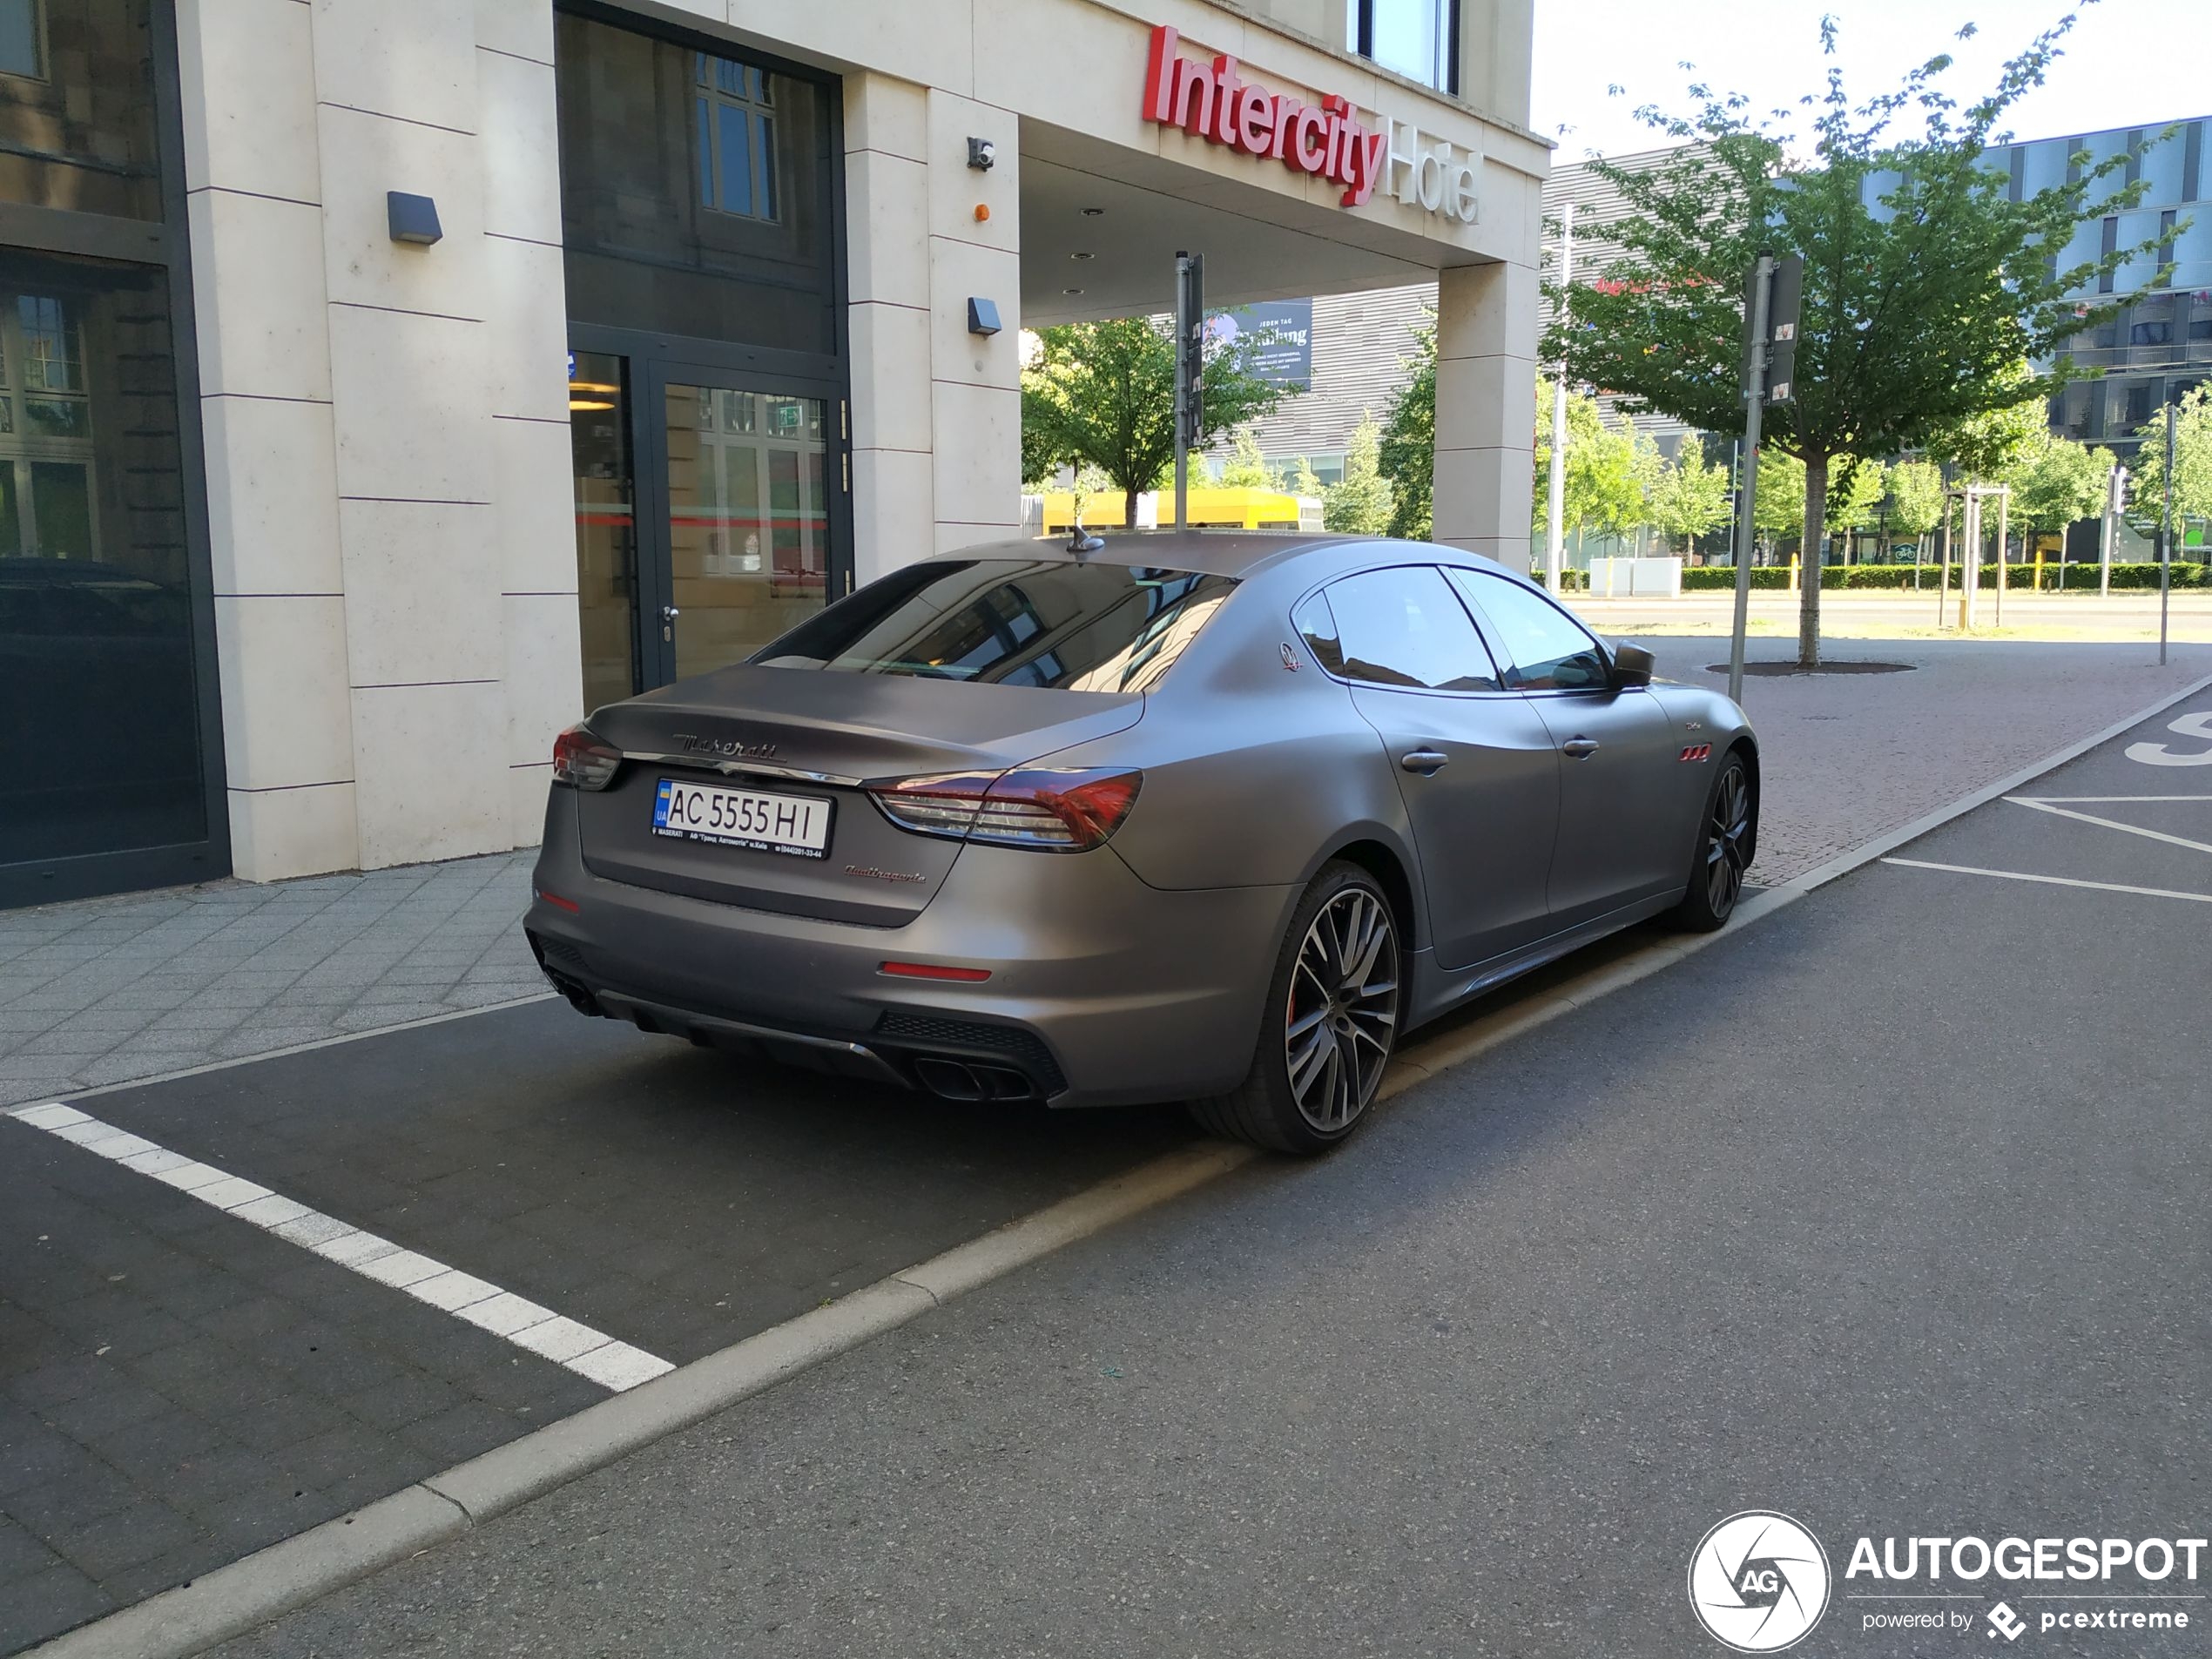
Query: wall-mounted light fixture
412, 218
982, 154
983, 317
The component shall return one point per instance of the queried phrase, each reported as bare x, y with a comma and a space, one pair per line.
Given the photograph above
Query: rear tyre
1725, 842
1332, 1012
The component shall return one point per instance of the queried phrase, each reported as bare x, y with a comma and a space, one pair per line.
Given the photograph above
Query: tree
1246, 468
1104, 393
1305, 481
1779, 510
1360, 505
2056, 480
1407, 454
1690, 494
1988, 447
1855, 496
1924, 282
1605, 471
2192, 462
1915, 497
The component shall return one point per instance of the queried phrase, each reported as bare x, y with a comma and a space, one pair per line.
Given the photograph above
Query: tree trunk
1129, 509
1809, 586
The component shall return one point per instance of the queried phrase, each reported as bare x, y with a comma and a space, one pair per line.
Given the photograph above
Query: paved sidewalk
113, 990
109, 990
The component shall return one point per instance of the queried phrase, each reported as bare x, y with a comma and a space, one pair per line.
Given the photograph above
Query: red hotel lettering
1210, 102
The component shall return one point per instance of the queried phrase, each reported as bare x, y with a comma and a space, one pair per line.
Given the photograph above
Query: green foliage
1104, 393
1303, 480
2056, 480
1915, 497
1246, 468
1407, 454
1691, 496
1779, 508
1916, 307
2192, 462
1855, 493
1989, 447
1361, 504
2020, 574
1608, 470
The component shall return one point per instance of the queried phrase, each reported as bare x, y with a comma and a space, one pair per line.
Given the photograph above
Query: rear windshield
1013, 621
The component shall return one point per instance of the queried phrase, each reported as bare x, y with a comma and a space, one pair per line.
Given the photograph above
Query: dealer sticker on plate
799, 825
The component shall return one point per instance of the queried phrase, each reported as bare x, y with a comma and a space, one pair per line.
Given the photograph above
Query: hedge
2079, 578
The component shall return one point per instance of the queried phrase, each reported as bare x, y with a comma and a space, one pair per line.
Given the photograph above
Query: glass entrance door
748, 518
711, 515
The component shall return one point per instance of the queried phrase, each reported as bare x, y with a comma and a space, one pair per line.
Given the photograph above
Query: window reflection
76, 107
606, 524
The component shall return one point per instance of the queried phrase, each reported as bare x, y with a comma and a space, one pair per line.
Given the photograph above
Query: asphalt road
1887, 1212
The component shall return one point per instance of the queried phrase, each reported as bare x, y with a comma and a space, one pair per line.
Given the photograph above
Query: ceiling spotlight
1092, 213
1071, 290
1082, 256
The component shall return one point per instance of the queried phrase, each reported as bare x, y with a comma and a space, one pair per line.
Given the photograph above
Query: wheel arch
1392, 872
1747, 746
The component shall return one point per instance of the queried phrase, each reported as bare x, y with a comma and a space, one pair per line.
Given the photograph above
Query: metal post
1755, 405
2115, 481
2166, 535
2004, 511
1943, 588
1555, 499
1970, 560
1182, 389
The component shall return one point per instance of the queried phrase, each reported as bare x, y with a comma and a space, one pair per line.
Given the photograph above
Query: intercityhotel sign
1328, 138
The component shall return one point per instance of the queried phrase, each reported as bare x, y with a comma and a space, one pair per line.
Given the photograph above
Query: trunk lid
812, 735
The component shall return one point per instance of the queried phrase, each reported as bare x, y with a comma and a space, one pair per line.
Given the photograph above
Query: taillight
581, 758
1064, 811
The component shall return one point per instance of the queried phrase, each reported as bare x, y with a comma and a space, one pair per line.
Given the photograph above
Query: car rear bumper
1102, 990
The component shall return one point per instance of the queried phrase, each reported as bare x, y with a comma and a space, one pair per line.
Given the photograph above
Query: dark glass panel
606, 524
99, 736
695, 192
77, 109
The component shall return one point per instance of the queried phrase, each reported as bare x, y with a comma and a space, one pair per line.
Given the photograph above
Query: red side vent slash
1699, 752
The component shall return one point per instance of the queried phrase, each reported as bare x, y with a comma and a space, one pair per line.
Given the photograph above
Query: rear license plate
799, 825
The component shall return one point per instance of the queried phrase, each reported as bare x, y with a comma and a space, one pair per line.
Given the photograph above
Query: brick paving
108, 990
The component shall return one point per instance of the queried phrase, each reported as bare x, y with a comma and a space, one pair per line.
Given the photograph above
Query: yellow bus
1210, 508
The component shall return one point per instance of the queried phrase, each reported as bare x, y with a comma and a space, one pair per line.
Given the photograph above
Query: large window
1417, 38
696, 191
1549, 651
108, 747
1401, 627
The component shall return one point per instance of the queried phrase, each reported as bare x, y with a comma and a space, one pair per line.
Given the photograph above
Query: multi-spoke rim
1726, 833
1342, 1010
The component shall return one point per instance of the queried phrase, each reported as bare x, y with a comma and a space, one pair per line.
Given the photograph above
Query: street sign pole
2116, 483
1555, 499
1753, 407
1189, 365
2004, 512
2166, 537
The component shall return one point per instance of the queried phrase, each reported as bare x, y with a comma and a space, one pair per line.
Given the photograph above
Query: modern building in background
1362, 345
383, 383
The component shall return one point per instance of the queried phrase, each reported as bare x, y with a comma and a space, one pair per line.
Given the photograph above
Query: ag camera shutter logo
1759, 1581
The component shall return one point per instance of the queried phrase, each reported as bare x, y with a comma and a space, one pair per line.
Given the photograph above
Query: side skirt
1437, 991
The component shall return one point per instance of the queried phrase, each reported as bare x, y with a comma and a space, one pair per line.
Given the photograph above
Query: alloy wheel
1725, 835
1342, 1010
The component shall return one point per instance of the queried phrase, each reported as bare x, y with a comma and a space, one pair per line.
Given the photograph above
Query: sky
2128, 63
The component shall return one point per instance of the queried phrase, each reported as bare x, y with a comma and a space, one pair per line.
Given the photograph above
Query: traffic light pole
1755, 405
1190, 361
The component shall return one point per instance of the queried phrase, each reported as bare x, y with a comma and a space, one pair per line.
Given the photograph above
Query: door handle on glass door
1579, 748
1424, 761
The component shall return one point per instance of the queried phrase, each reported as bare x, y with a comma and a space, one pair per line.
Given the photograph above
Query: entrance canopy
1106, 223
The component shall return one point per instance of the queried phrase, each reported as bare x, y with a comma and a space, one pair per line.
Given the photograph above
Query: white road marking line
2090, 800
2109, 823
2055, 880
612, 1365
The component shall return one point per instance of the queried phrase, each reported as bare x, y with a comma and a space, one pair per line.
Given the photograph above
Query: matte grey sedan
1181, 817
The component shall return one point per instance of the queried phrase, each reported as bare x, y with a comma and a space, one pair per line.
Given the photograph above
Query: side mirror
1631, 665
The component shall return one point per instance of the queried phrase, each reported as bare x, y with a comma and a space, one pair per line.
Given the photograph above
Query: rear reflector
557, 901
1068, 810
933, 970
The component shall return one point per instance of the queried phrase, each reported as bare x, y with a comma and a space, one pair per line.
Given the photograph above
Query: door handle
1579, 748
668, 613
1426, 762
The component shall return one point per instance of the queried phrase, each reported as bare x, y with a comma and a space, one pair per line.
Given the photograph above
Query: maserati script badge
735, 748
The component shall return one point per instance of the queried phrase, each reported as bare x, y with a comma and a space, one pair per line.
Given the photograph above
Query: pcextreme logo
1759, 1581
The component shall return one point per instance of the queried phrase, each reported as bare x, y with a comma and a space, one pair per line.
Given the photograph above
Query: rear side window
1547, 649
1076, 627
1404, 628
